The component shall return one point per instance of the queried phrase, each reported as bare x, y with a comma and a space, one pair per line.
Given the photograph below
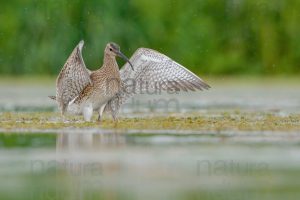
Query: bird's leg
100, 112
115, 118
88, 112
63, 117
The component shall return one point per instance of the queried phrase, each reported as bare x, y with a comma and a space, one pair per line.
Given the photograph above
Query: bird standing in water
81, 91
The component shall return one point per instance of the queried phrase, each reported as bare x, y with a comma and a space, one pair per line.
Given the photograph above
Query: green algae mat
212, 122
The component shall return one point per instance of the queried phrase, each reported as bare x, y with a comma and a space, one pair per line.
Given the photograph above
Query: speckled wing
72, 79
153, 72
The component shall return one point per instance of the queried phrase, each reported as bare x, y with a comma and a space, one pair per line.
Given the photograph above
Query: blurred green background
215, 37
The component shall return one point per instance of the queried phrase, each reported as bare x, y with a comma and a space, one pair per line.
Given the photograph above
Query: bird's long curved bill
125, 58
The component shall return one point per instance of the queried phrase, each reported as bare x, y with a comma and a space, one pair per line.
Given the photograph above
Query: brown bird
81, 91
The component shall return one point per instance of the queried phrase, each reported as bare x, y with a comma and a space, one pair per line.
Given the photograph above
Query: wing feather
72, 79
153, 71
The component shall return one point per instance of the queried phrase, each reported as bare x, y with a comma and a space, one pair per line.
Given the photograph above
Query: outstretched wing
153, 73
72, 79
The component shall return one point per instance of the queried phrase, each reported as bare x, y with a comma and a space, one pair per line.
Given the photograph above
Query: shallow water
135, 166
260, 95
164, 164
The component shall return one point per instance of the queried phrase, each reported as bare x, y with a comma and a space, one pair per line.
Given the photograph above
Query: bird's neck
110, 63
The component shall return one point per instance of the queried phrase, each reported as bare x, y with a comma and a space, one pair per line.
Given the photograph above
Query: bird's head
112, 49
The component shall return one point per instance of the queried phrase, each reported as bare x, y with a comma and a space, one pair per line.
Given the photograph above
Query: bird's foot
116, 120
64, 119
99, 119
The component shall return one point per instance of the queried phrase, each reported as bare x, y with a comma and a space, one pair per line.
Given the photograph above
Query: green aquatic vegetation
13, 140
217, 122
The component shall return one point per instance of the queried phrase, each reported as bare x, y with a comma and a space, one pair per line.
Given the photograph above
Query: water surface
98, 164
152, 166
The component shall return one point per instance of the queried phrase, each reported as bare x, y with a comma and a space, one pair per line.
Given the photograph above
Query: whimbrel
81, 91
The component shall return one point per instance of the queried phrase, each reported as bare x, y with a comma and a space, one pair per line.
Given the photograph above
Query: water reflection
89, 155
82, 166
89, 141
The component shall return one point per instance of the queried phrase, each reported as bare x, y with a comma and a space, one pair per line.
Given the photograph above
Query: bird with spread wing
81, 91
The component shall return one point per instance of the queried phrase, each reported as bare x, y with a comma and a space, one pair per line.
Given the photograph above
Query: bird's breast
103, 91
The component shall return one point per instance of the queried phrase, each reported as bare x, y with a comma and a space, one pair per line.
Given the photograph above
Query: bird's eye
110, 49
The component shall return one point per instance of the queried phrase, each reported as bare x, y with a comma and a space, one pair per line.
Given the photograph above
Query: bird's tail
52, 97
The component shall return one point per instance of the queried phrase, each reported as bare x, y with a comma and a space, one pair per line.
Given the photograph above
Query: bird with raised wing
81, 91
